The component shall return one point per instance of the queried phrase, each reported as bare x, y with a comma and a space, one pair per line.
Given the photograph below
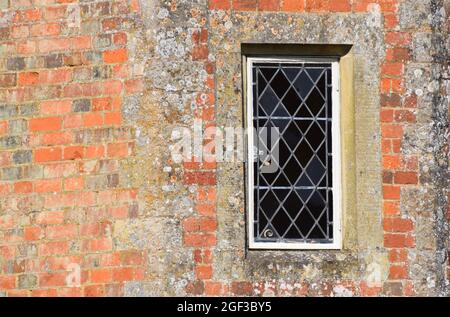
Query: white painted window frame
336, 156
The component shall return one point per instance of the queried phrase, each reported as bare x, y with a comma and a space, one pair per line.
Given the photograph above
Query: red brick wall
64, 74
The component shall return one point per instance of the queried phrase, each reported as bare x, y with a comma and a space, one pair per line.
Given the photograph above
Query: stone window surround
363, 233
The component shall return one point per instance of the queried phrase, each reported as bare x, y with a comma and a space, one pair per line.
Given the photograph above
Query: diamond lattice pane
294, 203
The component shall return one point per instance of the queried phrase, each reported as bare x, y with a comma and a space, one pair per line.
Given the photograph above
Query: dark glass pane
304, 222
304, 153
315, 102
303, 85
292, 101
279, 84
314, 73
268, 102
281, 222
315, 136
291, 72
268, 72
292, 170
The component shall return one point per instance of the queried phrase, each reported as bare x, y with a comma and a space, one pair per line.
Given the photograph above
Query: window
293, 117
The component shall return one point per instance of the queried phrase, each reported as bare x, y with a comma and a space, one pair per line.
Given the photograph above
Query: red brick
398, 272
50, 218
397, 225
111, 24
55, 13
391, 208
404, 116
391, 161
26, 47
45, 124
61, 231
115, 56
20, 31
95, 151
7, 282
117, 150
47, 154
392, 70
8, 80
52, 279
339, 6
244, 5
206, 210
131, 257
48, 29
47, 185
200, 52
387, 115
390, 21
391, 131
3, 127
317, 5
391, 85
405, 178
199, 239
396, 145
32, 233
203, 272
49, 292
390, 100
101, 275
206, 194
133, 86
94, 291
386, 146
73, 184
56, 138
23, 187
119, 212
397, 38
104, 103
52, 45
127, 274
410, 101
73, 152
113, 118
397, 54
398, 255
200, 178
242, 288
219, 4
391, 192
397, 240
104, 244
92, 119
27, 15
56, 107
120, 38
268, 5
213, 288
53, 248
28, 78
370, 290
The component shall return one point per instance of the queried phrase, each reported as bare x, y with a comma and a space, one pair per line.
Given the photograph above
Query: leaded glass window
296, 204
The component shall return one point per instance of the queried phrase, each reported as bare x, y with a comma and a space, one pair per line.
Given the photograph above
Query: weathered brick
22, 156
81, 105
27, 281
15, 63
